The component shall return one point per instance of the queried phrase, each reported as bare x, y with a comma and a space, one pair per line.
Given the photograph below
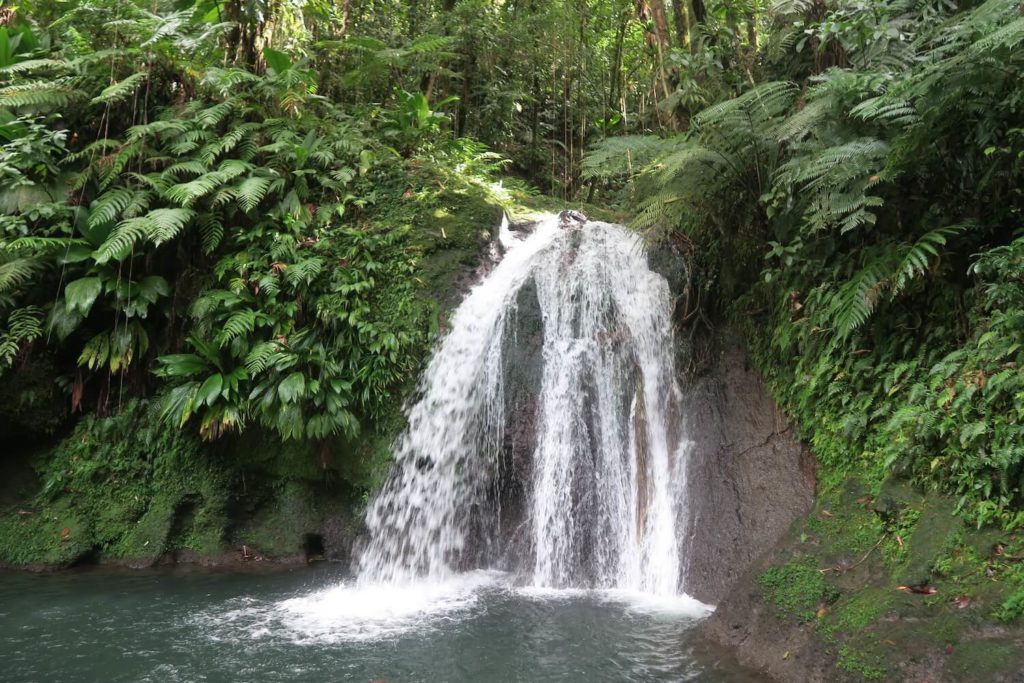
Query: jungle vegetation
227, 209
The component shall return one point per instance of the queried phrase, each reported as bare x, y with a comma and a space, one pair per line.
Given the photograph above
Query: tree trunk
700, 12
682, 23
660, 24
346, 16
658, 39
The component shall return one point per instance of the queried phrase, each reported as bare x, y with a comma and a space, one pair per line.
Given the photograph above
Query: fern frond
211, 231
121, 90
617, 156
261, 357
29, 65
38, 95
185, 194
24, 326
918, 256
14, 272
168, 223
110, 205
855, 301
251, 191
159, 226
238, 324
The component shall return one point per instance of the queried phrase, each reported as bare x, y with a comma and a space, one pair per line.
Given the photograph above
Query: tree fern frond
121, 90
24, 326
15, 272
918, 256
29, 65
110, 205
38, 95
617, 156
251, 191
211, 231
885, 109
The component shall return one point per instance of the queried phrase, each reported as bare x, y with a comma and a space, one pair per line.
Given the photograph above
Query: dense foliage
227, 222
878, 194
245, 213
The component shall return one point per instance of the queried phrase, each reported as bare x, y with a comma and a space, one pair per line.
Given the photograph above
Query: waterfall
545, 438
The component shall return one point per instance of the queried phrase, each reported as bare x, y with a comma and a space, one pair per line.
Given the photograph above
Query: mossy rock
989, 660
279, 530
797, 589
147, 539
43, 538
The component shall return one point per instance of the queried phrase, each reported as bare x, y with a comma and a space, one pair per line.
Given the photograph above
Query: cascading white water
600, 503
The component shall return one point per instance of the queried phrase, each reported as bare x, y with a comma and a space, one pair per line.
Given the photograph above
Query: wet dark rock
570, 218
749, 476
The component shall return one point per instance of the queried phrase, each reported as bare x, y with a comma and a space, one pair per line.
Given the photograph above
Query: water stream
599, 499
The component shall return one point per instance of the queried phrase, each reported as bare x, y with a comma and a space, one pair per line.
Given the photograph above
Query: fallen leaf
961, 601
920, 590
899, 540
826, 513
890, 642
820, 613
785, 655
949, 649
65, 534
999, 549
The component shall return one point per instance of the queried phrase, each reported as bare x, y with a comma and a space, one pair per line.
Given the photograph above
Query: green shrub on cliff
228, 238
863, 224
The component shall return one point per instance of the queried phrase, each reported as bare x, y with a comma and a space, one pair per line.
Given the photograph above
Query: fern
166, 224
251, 191
29, 65
211, 231
918, 255
121, 90
23, 327
16, 271
238, 324
158, 226
38, 95
186, 194
110, 205
261, 357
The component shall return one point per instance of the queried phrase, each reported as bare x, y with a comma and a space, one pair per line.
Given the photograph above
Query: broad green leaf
292, 388
180, 365
277, 62
210, 391
81, 294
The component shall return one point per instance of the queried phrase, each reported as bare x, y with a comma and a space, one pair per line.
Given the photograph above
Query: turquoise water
309, 625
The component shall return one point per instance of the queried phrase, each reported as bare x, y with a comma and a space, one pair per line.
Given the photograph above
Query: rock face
749, 477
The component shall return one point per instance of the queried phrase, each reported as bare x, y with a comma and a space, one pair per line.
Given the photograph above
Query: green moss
1011, 609
279, 530
867, 663
985, 660
52, 536
797, 589
118, 486
856, 612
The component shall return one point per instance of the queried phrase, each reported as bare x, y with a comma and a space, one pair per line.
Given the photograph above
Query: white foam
681, 605
357, 612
